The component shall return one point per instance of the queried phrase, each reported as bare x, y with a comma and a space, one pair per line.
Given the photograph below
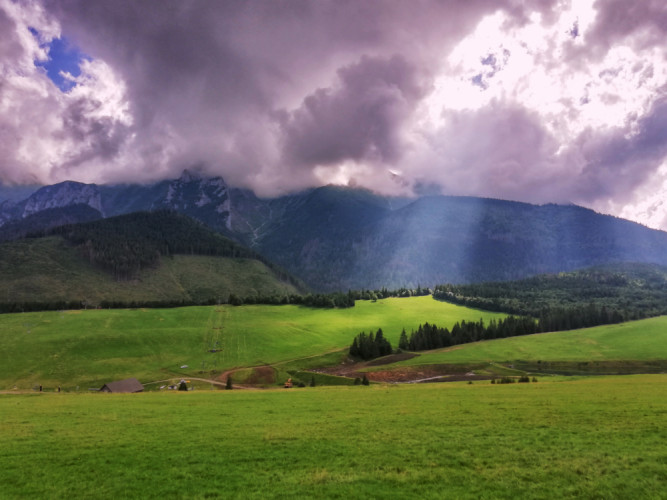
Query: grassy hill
51, 269
632, 346
88, 348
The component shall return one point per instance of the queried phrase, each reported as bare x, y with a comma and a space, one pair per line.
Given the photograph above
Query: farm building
127, 385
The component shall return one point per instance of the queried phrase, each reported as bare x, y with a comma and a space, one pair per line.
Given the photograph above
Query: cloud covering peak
534, 101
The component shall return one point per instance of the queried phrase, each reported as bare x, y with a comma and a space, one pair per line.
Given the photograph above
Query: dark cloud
620, 160
641, 23
10, 48
215, 74
271, 93
360, 119
494, 151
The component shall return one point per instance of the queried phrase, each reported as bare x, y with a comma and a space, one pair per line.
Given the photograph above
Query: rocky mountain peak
62, 195
189, 176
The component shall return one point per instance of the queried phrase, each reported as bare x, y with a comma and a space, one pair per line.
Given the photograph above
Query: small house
127, 385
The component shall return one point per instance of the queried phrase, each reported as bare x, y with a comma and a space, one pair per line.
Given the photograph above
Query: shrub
506, 380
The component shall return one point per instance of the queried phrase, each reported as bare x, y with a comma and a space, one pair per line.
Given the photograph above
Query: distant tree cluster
599, 295
429, 336
523, 379
325, 301
369, 346
385, 293
56, 305
561, 319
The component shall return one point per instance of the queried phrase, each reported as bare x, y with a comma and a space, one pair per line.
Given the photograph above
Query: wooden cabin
127, 385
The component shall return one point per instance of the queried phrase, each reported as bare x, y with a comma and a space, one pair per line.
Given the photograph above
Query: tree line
430, 336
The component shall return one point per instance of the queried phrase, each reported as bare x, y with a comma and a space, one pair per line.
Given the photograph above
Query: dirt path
210, 381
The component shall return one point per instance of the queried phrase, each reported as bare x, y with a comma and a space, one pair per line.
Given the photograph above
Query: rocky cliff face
62, 195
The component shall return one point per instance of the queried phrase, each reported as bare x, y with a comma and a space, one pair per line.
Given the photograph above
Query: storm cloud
534, 101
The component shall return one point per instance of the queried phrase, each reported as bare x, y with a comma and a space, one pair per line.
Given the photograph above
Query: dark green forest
125, 244
619, 291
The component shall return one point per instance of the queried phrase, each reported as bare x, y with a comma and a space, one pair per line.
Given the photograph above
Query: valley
192, 280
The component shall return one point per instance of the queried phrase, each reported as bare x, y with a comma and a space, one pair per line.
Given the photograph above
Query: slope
49, 272
88, 348
344, 243
644, 341
144, 257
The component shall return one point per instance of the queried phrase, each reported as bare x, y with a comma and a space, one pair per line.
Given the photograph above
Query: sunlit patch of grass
96, 346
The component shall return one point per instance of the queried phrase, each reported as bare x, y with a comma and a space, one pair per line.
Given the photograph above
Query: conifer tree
403, 341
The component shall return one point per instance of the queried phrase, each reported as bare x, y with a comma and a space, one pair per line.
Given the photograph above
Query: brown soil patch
393, 358
262, 375
430, 373
421, 373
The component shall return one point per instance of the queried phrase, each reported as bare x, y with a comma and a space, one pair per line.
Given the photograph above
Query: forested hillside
128, 243
159, 259
631, 290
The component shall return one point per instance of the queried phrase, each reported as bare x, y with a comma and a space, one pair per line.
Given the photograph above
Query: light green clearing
635, 340
89, 348
600, 437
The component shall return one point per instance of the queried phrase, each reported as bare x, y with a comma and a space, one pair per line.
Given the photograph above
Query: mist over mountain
335, 238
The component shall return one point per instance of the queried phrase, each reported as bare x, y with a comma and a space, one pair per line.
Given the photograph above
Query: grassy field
637, 340
589, 438
48, 269
89, 348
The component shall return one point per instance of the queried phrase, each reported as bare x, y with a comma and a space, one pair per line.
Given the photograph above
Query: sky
541, 101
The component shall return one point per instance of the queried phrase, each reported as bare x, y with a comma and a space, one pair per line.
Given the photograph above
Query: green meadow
643, 340
601, 437
88, 348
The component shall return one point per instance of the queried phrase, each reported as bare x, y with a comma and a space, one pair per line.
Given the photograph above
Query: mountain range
337, 238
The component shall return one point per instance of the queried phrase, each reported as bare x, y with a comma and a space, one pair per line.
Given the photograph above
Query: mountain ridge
336, 238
